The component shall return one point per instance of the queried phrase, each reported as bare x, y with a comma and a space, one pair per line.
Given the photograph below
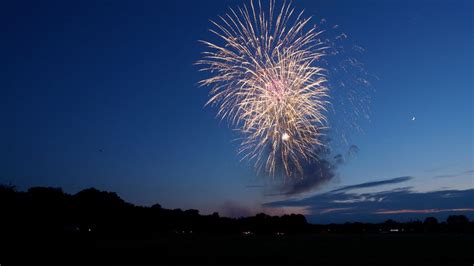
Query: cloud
445, 176
398, 204
374, 183
465, 173
440, 168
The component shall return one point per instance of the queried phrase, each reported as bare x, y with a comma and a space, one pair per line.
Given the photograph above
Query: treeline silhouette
51, 212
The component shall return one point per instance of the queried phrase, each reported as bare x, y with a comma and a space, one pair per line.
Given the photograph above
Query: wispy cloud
333, 210
374, 183
443, 167
464, 173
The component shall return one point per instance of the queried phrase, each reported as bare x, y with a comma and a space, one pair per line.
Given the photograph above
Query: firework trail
267, 80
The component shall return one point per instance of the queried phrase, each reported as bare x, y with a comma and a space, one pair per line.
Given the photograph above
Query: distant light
413, 118
247, 233
285, 136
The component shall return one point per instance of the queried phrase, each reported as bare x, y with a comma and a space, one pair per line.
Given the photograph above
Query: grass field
377, 249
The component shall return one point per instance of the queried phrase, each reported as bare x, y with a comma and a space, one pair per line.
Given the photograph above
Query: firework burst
267, 80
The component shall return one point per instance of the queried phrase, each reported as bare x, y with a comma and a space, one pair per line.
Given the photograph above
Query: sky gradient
104, 94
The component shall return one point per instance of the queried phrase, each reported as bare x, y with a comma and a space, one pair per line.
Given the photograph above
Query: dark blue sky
104, 94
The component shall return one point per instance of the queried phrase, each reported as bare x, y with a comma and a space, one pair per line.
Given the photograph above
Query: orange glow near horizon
423, 211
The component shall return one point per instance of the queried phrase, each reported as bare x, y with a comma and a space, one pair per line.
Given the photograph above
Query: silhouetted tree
431, 224
458, 223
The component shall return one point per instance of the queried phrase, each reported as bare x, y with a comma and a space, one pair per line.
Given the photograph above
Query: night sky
104, 94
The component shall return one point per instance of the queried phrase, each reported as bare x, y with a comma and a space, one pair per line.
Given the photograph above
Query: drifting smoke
235, 210
317, 173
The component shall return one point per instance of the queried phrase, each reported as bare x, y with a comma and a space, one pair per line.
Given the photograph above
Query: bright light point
413, 118
285, 136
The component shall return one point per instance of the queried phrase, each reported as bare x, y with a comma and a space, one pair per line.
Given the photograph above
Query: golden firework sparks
266, 80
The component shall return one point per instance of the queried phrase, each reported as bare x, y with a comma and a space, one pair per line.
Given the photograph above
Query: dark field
367, 249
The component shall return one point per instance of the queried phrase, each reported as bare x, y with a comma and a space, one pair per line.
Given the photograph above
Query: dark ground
366, 249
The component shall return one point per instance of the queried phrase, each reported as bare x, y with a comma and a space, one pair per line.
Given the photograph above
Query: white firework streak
266, 81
